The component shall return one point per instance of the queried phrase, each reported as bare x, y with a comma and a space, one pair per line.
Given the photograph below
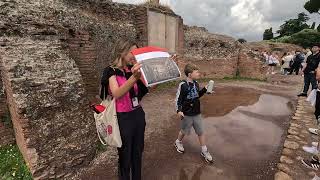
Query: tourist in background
314, 162
265, 54
308, 53
272, 61
309, 70
297, 63
287, 60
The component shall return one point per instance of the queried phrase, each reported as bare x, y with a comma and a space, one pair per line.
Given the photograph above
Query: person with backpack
297, 61
188, 108
309, 70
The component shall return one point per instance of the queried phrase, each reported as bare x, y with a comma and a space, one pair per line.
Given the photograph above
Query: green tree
318, 28
312, 6
268, 34
313, 25
303, 17
292, 26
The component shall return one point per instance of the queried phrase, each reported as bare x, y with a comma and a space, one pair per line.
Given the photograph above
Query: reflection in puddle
269, 105
243, 136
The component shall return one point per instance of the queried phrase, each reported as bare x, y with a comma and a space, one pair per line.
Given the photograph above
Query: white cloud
238, 18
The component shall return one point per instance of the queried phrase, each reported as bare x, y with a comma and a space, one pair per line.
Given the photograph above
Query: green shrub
305, 38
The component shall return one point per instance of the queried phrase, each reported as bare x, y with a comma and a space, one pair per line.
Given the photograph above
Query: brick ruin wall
221, 56
280, 48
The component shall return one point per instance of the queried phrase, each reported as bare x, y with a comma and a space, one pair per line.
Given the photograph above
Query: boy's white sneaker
179, 147
207, 156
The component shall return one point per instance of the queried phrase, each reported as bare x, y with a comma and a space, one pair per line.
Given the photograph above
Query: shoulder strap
104, 87
197, 85
185, 82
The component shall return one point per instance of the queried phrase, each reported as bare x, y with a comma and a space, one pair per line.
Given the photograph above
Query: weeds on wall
13, 166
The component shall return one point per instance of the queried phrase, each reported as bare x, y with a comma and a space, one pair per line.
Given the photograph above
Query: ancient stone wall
6, 135
251, 64
221, 56
52, 53
48, 106
270, 47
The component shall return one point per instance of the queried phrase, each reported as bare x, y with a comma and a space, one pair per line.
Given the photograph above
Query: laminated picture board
157, 66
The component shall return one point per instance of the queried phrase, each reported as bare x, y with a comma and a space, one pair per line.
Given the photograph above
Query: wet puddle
243, 132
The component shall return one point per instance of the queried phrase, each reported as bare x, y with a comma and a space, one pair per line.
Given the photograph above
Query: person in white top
266, 56
308, 53
272, 63
287, 60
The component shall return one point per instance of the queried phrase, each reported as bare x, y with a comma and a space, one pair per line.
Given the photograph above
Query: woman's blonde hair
120, 50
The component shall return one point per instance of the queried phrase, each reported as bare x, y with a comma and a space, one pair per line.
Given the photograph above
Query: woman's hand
136, 71
174, 57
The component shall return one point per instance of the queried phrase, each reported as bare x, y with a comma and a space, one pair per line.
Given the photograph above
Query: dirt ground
245, 126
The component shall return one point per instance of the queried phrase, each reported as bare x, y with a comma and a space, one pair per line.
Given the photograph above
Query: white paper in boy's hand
210, 87
157, 66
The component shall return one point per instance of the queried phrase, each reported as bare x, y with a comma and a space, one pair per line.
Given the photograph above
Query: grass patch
171, 84
239, 78
167, 85
12, 166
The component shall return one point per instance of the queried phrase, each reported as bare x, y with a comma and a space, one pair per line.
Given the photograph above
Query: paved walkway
290, 166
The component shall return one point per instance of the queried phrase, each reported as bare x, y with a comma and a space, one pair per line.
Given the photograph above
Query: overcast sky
238, 18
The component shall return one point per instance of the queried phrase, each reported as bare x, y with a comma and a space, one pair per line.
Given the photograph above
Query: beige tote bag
107, 124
